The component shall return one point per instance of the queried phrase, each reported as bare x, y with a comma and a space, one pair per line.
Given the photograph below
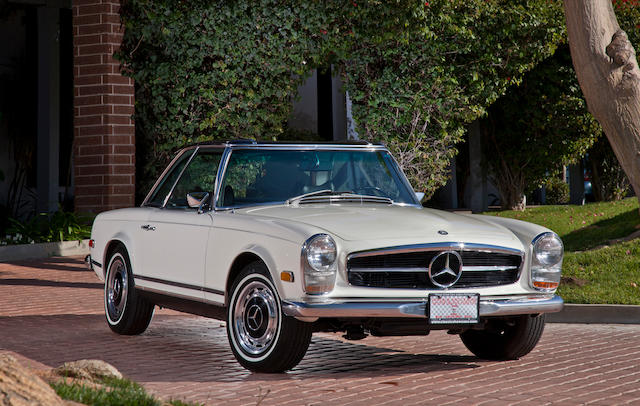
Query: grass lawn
121, 392
610, 274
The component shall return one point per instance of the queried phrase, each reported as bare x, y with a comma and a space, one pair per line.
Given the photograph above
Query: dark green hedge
416, 71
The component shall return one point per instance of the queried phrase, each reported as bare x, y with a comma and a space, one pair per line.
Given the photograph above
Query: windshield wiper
347, 194
316, 193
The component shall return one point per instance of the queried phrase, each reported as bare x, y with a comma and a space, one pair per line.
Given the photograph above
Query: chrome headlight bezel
319, 263
547, 252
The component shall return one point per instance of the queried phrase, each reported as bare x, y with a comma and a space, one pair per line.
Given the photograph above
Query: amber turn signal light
545, 285
286, 276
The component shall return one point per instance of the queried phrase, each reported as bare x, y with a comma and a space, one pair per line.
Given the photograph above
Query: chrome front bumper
488, 307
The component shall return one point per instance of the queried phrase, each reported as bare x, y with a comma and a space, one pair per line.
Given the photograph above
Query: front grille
408, 270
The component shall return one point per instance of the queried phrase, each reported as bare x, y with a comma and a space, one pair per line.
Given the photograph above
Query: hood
381, 222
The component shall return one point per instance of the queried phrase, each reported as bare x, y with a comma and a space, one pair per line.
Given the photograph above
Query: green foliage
121, 392
215, 70
537, 127
628, 16
608, 180
416, 71
58, 226
557, 191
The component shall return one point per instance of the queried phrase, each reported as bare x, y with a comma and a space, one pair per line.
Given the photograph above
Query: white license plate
453, 308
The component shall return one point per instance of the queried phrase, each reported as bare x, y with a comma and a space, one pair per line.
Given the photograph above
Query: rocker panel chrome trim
178, 284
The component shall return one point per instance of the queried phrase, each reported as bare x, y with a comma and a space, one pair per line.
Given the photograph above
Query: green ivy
214, 70
417, 72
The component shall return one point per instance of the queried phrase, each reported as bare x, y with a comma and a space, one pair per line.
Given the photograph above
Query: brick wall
104, 134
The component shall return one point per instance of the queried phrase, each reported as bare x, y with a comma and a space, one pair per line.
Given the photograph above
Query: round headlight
548, 249
321, 252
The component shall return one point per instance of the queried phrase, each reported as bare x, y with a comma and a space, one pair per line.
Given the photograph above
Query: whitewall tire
126, 312
262, 338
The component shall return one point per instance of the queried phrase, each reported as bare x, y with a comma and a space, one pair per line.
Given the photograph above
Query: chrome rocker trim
488, 308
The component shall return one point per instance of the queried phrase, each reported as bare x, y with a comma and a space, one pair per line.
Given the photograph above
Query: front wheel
262, 338
127, 313
508, 339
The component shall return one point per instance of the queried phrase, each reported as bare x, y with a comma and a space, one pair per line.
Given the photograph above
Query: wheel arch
248, 256
110, 247
237, 266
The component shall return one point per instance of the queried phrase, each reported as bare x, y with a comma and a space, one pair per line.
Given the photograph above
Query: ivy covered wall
416, 71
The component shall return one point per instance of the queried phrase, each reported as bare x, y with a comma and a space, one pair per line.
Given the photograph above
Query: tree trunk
607, 69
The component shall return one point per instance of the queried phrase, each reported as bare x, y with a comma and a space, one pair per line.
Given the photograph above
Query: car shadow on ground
67, 264
186, 348
55, 284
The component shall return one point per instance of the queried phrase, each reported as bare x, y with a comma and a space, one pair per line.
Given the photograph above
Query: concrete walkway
51, 312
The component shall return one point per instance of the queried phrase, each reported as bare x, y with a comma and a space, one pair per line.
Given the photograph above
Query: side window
199, 178
163, 189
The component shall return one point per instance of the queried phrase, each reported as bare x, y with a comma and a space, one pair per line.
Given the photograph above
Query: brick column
104, 134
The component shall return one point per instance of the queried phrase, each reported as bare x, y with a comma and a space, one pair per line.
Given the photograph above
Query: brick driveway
51, 312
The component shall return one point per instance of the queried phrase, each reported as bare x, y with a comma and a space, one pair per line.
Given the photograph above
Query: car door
176, 234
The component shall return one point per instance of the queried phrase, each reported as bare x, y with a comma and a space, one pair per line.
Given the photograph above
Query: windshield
274, 176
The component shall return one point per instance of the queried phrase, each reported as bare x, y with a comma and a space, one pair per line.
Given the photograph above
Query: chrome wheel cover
255, 318
116, 288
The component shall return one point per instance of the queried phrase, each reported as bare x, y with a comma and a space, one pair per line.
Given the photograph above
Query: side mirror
419, 196
197, 200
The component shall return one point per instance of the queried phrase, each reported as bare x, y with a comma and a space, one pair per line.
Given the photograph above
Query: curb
43, 250
596, 314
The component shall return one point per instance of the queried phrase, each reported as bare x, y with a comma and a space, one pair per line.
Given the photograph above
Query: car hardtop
305, 145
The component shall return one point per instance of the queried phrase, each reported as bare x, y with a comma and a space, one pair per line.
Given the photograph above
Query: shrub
608, 180
58, 226
557, 191
538, 127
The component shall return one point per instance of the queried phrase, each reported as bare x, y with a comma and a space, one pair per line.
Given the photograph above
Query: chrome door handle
148, 227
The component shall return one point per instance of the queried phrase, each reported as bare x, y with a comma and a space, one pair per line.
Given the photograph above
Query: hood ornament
442, 232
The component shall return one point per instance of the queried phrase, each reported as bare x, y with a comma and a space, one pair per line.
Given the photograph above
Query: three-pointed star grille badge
445, 269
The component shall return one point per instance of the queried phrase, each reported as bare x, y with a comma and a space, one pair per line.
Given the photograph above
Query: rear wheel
127, 313
262, 338
505, 339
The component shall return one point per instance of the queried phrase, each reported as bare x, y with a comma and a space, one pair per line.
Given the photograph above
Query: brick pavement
51, 312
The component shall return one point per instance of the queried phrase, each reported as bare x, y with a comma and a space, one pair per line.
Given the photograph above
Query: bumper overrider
418, 309
91, 263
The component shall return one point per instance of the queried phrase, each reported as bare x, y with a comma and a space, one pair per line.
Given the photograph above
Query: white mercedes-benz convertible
283, 240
